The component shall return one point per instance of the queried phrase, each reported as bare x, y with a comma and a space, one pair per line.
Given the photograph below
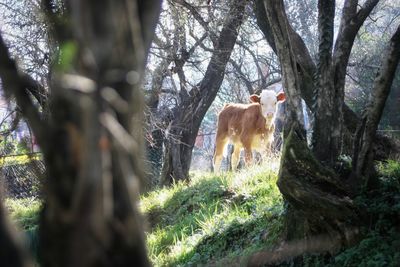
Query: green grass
214, 217
25, 212
219, 220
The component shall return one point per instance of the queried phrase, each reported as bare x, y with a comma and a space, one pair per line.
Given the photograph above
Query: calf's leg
235, 157
248, 155
220, 143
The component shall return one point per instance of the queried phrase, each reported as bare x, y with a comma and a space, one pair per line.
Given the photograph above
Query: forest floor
222, 220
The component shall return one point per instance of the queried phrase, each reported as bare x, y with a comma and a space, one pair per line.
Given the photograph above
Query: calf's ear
255, 99
281, 96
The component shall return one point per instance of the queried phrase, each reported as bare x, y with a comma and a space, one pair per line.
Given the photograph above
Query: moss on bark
316, 197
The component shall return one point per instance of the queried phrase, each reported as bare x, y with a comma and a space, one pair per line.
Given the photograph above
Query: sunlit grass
215, 216
19, 159
220, 219
25, 212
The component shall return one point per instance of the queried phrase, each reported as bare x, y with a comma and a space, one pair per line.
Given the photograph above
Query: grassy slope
214, 217
218, 220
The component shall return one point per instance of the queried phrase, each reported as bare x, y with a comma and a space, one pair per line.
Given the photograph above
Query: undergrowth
25, 212
380, 243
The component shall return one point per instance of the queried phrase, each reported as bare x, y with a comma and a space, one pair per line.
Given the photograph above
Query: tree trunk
363, 148
326, 139
93, 142
351, 22
318, 199
155, 122
317, 202
195, 103
291, 81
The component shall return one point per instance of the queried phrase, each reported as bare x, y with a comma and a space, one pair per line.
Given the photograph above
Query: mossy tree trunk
350, 23
363, 149
319, 199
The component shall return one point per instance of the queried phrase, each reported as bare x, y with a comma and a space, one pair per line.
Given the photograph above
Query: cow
246, 126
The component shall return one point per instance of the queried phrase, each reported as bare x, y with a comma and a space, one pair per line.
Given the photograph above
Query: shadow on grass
188, 201
235, 242
212, 219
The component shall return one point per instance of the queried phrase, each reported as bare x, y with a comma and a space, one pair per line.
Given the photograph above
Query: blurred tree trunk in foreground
93, 141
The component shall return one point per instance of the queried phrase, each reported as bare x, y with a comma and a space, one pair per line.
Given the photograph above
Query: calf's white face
268, 100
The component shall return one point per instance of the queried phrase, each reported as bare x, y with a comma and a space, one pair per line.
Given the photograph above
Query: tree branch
16, 84
349, 26
304, 62
36, 89
256, 62
199, 19
245, 79
381, 90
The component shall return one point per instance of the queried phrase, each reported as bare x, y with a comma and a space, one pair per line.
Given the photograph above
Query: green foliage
390, 170
214, 217
380, 245
25, 212
67, 55
13, 147
376, 249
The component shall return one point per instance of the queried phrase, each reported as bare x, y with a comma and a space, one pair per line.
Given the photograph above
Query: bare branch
349, 26
199, 18
15, 84
256, 61
247, 82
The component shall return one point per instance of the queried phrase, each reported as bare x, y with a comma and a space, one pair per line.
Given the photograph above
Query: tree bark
363, 148
351, 22
326, 137
280, 28
318, 198
318, 201
93, 142
194, 104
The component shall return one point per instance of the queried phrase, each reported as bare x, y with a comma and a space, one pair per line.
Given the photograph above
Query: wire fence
21, 179
21, 174
391, 133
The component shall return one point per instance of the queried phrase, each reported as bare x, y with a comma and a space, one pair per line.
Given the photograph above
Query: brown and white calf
247, 126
